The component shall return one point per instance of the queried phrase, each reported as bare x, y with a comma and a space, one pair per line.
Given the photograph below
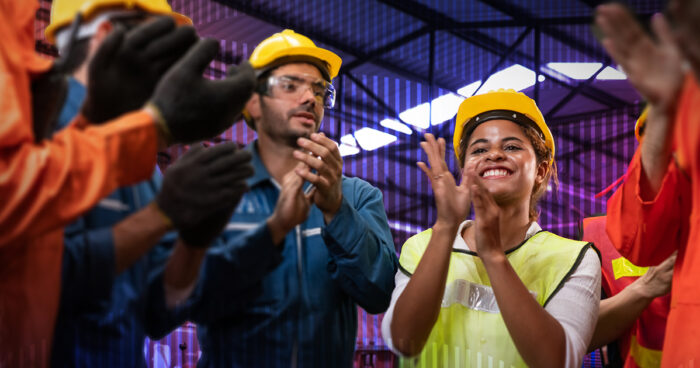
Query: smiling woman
497, 289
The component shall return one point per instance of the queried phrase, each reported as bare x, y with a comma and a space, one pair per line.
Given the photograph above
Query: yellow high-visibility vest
470, 331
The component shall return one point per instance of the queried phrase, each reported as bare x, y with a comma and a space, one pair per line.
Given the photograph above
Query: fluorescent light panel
583, 71
370, 139
515, 77
396, 125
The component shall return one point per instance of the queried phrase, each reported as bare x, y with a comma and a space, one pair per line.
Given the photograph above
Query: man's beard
291, 138
287, 135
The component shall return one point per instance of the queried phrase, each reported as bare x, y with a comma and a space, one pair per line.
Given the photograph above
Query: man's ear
253, 106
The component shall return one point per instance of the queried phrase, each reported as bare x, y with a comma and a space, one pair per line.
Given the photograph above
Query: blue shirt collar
261, 174
71, 106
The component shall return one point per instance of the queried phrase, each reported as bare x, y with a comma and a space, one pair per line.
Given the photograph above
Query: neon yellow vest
470, 331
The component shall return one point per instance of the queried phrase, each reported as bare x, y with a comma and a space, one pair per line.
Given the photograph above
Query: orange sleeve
45, 186
647, 232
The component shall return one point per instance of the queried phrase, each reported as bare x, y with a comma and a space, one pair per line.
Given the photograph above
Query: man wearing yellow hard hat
497, 288
109, 296
322, 238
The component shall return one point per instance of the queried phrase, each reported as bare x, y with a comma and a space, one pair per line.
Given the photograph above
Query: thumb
240, 79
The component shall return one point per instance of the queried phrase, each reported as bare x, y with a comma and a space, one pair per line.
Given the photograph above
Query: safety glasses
292, 87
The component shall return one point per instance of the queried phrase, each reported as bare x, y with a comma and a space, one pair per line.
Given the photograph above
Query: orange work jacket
647, 229
45, 186
641, 344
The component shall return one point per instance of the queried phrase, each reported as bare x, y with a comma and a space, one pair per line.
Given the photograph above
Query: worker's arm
618, 313
45, 186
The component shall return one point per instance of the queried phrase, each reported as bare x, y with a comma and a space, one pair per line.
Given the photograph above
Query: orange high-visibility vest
641, 345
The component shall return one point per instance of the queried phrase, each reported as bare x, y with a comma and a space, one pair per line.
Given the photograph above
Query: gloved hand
201, 190
128, 65
194, 108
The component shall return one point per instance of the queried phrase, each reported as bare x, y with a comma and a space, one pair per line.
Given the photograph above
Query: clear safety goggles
292, 87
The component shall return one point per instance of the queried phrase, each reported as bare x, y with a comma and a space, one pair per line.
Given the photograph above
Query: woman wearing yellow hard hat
497, 290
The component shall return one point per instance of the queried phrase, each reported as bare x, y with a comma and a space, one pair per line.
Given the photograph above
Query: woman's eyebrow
480, 140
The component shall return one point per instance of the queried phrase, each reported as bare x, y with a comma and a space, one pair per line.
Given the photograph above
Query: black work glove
201, 190
128, 65
195, 108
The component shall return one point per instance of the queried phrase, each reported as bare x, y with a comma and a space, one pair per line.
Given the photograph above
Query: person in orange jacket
45, 184
634, 313
654, 212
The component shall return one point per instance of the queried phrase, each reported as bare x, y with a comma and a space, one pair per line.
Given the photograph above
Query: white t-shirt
574, 306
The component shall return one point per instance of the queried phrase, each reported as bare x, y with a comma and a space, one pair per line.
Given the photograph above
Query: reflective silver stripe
113, 204
311, 232
242, 225
473, 296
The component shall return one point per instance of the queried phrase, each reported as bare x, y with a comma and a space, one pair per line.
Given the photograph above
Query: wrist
641, 294
329, 215
277, 229
492, 257
446, 227
163, 223
165, 138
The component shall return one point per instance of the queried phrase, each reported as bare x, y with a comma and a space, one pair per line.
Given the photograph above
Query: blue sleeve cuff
345, 230
88, 267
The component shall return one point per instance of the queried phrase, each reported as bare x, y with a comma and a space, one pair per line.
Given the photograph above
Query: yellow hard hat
504, 104
289, 46
641, 122
63, 11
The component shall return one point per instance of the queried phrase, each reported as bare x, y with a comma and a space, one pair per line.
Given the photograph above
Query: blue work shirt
257, 309
103, 318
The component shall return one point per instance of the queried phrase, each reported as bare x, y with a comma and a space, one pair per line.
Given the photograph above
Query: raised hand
686, 27
195, 108
652, 67
201, 190
128, 65
292, 206
322, 154
486, 219
452, 200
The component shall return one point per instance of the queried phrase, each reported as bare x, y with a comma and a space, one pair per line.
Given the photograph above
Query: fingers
310, 160
425, 169
231, 163
669, 262
199, 56
291, 181
170, 48
240, 80
310, 195
481, 197
318, 180
321, 146
323, 156
435, 150
108, 49
622, 29
211, 153
150, 31
662, 30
